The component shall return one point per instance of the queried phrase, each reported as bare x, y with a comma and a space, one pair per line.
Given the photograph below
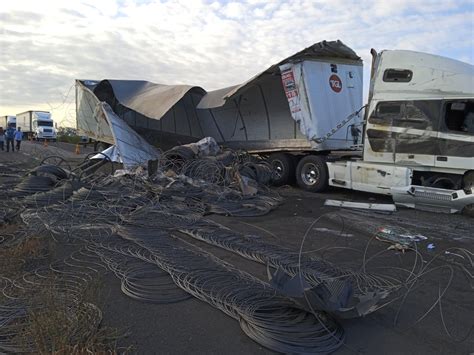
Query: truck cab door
416, 132
379, 142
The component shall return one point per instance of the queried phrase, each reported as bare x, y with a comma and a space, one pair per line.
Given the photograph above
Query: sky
46, 44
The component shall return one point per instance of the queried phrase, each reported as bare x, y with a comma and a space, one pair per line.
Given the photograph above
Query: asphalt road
344, 237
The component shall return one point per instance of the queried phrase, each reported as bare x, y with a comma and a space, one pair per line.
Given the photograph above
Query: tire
312, 173
283, 168
468, 210
468, 180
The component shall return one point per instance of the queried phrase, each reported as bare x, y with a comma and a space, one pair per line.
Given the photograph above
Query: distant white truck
37, 125
7, 121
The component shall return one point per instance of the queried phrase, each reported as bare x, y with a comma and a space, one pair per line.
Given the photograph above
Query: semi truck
37, 125
8, 121
306, 115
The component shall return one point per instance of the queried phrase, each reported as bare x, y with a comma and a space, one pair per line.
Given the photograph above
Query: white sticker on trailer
291, 77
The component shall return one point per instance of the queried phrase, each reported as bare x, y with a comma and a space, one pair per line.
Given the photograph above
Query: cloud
45, 45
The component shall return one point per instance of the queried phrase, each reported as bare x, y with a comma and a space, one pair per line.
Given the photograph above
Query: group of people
10, 135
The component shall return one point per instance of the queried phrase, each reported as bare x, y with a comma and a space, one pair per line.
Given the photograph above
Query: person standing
9, 136
18, 138
2, 138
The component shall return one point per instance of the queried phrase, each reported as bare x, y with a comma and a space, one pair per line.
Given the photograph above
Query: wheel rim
310, 174
277, 166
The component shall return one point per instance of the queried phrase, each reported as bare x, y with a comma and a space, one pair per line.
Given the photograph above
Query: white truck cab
37, 124
418, 126
43, 126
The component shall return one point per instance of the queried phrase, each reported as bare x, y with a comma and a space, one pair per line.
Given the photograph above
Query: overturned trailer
418, 127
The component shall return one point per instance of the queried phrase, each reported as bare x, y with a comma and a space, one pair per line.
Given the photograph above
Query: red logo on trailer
335, 83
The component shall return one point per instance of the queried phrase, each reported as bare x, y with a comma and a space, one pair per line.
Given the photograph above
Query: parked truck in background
7, 121
304, 114
37, 125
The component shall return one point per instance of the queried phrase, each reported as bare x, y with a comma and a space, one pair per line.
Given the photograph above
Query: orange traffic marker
45, 143
78, 149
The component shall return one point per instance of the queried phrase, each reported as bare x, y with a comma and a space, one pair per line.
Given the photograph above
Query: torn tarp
130, 147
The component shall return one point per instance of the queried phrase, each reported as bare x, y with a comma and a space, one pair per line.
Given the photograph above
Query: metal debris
361, 205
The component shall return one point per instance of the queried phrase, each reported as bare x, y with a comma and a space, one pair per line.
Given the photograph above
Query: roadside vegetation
69, 135
58, 312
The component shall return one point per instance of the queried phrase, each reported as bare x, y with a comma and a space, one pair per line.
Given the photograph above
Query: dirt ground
345, 237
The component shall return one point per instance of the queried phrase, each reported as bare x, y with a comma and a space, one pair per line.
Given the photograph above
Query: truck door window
386, 112
423, 114
45, 123
459, 116
397, 75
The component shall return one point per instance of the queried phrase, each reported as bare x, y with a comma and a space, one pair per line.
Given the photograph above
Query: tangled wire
134, 224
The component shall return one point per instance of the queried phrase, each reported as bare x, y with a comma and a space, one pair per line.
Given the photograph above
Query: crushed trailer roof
154, 100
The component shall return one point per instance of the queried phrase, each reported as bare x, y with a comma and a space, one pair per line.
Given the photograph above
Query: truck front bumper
433, 199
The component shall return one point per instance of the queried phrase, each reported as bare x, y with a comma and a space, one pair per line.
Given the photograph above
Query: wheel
468, 210
444, 183
56, 160
468, 180
282, 168
312, 173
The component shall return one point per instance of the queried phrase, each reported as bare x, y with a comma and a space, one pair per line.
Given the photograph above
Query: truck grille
434, 196
47, 130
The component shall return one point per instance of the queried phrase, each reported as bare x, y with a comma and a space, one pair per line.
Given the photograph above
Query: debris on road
398, 235
383, 207
136, 224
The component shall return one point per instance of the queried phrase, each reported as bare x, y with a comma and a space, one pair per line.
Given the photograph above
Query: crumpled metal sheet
87, 122
131, 147
111, 152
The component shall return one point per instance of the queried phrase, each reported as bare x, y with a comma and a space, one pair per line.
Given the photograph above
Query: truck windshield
45, 123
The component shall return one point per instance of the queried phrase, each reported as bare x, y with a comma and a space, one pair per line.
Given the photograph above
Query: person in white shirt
18, 138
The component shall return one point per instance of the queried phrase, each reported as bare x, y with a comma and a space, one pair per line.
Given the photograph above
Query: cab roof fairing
433, 76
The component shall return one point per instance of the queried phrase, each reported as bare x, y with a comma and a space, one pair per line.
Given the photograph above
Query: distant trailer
7, 121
